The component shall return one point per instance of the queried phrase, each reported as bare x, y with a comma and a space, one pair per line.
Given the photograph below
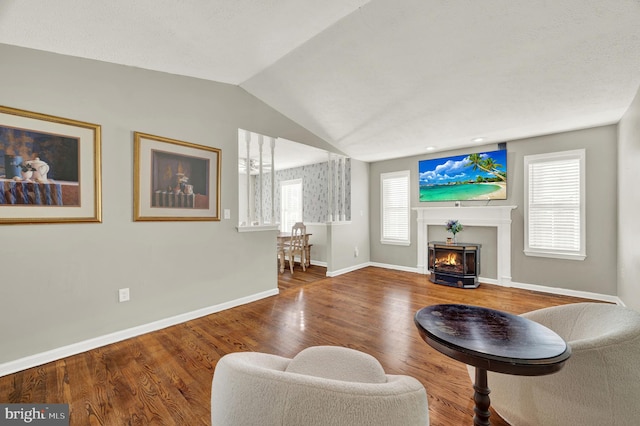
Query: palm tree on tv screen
487, 164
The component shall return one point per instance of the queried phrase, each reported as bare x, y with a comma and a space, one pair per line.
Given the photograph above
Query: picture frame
50, 169
175, 180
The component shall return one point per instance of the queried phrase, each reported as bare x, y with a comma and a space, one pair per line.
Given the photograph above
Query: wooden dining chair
297, 245
282, 254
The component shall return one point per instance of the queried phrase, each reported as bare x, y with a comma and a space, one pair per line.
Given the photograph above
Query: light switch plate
123, 295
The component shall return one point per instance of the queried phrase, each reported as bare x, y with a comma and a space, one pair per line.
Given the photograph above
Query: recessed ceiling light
476, 140
431, 148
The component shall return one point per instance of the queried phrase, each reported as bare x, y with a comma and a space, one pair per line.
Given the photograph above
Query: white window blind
290, 204
395, 207
554, 213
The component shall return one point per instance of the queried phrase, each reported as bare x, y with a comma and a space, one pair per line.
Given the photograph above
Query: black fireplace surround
454, 264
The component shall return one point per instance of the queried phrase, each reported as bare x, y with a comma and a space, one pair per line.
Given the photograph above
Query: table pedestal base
481, 398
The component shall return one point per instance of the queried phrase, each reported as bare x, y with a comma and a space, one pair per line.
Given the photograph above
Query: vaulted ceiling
377, 79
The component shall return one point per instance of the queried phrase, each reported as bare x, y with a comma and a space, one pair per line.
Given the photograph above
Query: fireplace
498, 217
456, 265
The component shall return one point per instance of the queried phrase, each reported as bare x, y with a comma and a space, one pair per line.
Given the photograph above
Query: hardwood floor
164, 377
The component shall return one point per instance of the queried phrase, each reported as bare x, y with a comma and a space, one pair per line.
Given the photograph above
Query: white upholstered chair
321, 386
598, 385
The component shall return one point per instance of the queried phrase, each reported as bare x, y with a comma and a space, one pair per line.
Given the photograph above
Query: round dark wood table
491, 340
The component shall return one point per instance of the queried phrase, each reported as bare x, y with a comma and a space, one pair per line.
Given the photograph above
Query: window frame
384, 238
550, 252
290, 182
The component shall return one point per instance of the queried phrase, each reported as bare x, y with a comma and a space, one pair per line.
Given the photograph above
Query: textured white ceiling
221, 40
378, 79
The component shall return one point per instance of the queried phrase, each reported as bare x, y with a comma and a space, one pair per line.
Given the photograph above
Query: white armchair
598, 385
321, 386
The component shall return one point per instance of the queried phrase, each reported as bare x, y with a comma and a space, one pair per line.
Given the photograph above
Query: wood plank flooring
164, 377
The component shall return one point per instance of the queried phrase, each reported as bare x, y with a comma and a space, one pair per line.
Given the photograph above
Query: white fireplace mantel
492, 216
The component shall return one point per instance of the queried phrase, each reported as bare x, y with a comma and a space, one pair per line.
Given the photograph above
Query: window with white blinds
395, 207
554, 205
290, 204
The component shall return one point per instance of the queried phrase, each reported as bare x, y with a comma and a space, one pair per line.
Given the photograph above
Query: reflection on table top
492, 339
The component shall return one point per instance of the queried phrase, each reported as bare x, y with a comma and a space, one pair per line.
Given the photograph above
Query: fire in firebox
449, 261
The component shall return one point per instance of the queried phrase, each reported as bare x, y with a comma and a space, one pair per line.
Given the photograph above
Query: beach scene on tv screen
477, 176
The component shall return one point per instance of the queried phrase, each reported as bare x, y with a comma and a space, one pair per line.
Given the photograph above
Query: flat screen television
478, 176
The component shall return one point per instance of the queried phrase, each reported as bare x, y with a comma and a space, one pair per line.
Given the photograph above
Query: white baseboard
394, 267
364, 265
569, 292
489, 281
76, 348
345, 270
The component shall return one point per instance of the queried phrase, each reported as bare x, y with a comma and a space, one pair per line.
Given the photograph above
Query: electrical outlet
227, 214
356, 252
123, 295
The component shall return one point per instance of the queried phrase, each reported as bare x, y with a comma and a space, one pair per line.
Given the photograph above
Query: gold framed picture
175, 180
50, 169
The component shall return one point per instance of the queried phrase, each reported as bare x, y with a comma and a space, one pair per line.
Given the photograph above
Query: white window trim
393, 241
289, 183
579, 254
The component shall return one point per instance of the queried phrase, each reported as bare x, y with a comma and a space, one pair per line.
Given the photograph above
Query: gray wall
60, 282
629, 206
596, 274
343, 238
